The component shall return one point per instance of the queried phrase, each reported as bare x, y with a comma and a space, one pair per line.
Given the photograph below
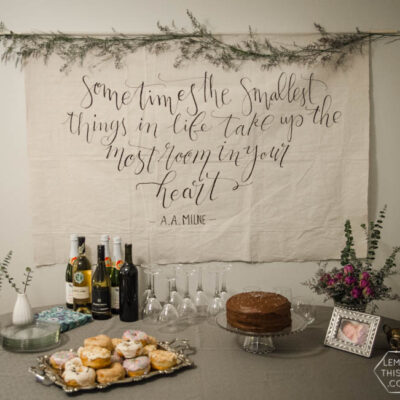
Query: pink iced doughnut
137, 366
58, 360
140, 336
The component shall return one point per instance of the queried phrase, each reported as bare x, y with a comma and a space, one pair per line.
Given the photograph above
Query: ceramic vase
22, 314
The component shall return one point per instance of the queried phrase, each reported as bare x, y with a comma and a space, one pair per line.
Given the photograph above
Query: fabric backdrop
198, 163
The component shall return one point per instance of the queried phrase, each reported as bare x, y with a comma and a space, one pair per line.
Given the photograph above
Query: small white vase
22, 314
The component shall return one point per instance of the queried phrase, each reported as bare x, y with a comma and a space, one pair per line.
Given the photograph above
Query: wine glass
174, 297
147, 292
201, 299
215, 305
187, 309
169, 313
152, 308
305, 307
223, 294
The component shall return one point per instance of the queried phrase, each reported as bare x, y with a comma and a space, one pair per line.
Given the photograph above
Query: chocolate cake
258, 312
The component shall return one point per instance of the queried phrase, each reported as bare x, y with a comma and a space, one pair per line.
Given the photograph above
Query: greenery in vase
4, 273
357, 282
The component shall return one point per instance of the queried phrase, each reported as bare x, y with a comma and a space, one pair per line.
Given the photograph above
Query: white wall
223, 16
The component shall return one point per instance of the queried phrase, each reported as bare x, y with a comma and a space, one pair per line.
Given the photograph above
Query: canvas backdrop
198, 163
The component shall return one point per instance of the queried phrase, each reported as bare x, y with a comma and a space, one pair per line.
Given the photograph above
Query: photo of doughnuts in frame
352, 331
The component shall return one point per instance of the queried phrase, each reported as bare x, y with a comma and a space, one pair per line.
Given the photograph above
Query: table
301, 368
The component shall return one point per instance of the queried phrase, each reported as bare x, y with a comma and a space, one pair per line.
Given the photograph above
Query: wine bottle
117, 264
128, 289
73, 254
82, 279
101, 299
105, 240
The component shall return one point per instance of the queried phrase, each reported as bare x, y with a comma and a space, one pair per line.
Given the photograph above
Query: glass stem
187, 286
153, 286
200, 280
216, 293
170, 289
173, 285
223, 283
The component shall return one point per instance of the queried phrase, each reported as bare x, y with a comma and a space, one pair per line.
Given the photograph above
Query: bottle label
72, 260
107, 262
79, 277
69, 298
101, 301
81, 292
115, 297
118, 264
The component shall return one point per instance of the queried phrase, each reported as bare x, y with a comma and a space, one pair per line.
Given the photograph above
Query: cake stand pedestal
261, 342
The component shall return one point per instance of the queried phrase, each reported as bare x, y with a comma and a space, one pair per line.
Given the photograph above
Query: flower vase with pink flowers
356, 284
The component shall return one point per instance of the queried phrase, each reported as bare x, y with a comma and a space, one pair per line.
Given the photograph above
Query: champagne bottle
117, 253
105, 240
73, 254
128, 289
101, 299
82, 278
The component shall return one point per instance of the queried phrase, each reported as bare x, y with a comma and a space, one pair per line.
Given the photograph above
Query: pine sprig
199, 43
4, 273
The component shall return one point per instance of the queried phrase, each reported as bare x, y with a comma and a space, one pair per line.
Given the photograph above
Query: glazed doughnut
137, 366
112, 374
129, 349
162, 359
148, 349
99, 340
58, 360
77, 375
95, 357
141, 336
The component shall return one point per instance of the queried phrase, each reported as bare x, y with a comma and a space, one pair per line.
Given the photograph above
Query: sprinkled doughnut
137, 335
77, 375
137, 366
129, 349
99, 340
58, 359
162, 359
95, 357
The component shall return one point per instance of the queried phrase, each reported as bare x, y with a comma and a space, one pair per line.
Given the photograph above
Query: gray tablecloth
301, 367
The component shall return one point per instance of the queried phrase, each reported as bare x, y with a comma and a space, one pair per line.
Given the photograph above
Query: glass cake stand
261, 342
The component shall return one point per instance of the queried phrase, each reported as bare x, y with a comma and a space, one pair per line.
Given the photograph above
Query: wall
224, 16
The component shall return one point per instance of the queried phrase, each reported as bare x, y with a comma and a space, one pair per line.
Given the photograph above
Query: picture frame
352, 331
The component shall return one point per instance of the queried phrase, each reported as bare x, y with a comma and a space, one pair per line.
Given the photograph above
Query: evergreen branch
28, 278
199, 43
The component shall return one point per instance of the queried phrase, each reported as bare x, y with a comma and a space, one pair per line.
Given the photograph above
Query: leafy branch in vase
4, 273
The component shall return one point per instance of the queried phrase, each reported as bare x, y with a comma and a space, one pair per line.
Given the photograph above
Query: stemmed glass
152, 308
201, 299
187, 309
169, 313
215, 305
146, 294
174, 297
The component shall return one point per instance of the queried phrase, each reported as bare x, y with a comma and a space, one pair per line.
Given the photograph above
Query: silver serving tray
48, 375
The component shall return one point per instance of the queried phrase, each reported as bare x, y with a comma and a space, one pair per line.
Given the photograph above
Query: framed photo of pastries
352, 331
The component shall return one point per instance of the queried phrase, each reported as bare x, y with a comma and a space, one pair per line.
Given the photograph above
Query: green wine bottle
101, 299
105, 240
117, 264
81, 279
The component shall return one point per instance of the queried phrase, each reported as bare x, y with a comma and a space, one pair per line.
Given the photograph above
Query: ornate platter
48, 375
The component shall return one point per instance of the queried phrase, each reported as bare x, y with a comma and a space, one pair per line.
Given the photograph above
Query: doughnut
148, 349
115, 357
77, 375
95, 357
99, 340
162, 359
58, 359
141, 336
137, 366
112, 374
129, 349
116, 342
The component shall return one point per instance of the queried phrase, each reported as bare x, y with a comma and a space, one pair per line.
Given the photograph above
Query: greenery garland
199, 43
